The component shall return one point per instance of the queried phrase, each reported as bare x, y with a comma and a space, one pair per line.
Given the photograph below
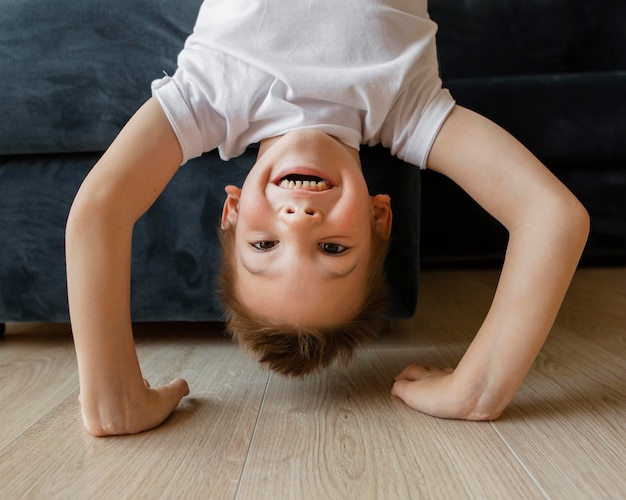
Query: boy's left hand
430, 390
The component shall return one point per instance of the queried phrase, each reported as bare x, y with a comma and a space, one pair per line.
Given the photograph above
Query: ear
230, 212
381, 210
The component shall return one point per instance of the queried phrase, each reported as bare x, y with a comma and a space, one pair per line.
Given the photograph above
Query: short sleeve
198, 127
414, 123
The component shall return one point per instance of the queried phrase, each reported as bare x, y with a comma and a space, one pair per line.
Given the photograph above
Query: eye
263, 246
332, 248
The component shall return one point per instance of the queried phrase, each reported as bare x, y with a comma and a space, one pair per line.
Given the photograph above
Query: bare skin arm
119, 189
548, 229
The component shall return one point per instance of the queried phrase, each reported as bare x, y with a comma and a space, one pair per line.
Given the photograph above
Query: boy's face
302, 248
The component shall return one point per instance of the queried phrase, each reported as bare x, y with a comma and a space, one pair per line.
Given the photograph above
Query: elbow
95, 212
576, 224
584, 223
75, 219
560, 221
83, 213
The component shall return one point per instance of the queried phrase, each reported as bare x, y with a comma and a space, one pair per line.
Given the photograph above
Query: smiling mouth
304, 182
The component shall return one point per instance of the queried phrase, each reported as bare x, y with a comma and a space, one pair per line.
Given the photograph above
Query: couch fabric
553, 72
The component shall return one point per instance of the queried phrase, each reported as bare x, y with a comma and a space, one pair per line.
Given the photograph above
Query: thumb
174, 391
180, 385
399, 388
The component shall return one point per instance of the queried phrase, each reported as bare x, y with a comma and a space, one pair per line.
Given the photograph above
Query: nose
305, 215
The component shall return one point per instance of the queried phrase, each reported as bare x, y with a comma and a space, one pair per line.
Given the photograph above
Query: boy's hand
140, 409
431, 391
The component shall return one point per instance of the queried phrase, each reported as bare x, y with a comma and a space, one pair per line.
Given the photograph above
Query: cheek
253, 210
356, 216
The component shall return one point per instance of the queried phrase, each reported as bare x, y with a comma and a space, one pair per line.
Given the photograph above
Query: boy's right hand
139, 409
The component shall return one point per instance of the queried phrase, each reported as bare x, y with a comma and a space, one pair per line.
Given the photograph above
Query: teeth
305, 185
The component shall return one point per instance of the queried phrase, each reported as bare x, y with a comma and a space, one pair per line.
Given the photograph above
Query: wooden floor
247, 434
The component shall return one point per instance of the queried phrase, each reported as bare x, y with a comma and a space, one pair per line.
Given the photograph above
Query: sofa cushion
552, 72
79, 69
569, 120
512, 37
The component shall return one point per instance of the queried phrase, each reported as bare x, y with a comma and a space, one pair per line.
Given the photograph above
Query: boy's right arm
120, 188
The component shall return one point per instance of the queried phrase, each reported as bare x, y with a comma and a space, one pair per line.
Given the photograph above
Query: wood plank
568, 421
595, 308
198, 453
37, 372
340, 434
451, 309
569, 416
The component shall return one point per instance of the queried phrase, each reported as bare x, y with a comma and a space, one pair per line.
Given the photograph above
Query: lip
303, 171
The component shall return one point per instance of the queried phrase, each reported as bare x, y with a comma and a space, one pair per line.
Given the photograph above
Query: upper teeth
308, 185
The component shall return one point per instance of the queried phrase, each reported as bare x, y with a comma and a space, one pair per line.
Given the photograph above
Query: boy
302, 237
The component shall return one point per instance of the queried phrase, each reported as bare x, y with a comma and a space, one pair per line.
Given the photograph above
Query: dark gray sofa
74, 72
553, 73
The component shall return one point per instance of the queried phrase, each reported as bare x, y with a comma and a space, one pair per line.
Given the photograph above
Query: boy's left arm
548, 229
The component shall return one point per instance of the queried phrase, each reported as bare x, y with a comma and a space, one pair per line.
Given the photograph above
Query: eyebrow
332, 274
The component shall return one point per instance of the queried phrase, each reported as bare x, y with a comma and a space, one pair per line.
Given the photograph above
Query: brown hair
292, 349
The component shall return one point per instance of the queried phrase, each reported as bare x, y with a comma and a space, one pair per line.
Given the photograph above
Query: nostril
311, 212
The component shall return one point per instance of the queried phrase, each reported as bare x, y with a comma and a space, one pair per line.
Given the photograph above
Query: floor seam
252, 437
519, 460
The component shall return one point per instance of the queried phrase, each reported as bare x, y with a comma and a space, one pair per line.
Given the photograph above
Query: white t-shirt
364, 71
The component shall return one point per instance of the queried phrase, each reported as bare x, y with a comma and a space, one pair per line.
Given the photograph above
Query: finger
412, 372
146, 383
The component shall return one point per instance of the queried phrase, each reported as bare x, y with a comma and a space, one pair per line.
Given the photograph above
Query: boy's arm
547, 228
119, 189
